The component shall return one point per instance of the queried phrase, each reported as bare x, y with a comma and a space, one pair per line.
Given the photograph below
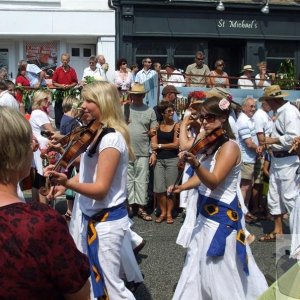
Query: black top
166, 137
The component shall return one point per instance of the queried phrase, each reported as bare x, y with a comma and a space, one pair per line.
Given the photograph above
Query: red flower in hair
199, 95
229, 98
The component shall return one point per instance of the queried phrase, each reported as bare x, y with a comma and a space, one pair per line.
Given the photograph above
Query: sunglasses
148, 62
124, 63
92, 63
220, 65
169, 111
209, 118
200, 58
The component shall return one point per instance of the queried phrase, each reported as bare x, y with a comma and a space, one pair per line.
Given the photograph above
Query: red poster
43, 54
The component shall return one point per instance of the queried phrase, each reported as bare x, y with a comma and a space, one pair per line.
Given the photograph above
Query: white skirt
217, 278
186, 230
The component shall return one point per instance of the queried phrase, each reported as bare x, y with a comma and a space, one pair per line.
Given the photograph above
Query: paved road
161, 259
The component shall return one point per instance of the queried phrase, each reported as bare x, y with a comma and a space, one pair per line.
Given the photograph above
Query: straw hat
218, 92
137, 89
271, 92
247, 68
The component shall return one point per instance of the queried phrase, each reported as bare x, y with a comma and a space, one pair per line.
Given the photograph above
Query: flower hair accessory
224, 104
229, 98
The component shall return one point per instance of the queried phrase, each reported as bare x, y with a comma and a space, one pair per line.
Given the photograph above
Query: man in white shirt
245, 81
92, 70
249, 149
283, 192
102, 65
149, 78
173, 76
34, 74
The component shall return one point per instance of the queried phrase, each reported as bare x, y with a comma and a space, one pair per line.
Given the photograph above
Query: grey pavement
161, 260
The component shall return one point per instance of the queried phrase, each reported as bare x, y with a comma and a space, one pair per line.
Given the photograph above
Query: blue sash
229, 218
106, 214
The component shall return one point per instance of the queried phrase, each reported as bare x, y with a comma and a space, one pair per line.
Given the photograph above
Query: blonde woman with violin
218, 265
101, 191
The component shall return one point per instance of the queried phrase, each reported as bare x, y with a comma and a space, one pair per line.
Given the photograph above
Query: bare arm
169, 146
228, 156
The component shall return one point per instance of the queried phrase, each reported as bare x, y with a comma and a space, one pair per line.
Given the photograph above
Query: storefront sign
238, 24
43, 54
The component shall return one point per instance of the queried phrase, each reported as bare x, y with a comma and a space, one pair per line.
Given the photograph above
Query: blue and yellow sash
107, 214
229, 218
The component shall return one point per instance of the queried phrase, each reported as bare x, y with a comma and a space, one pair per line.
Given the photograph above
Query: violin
209, 143
75, 148
201, 146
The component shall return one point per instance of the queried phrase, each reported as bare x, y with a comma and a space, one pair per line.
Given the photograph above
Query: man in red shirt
64, 78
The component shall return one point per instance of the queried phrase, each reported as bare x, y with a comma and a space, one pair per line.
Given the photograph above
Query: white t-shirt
96, 74
6, 99
39, 118
88, 172
245, 83
263, 122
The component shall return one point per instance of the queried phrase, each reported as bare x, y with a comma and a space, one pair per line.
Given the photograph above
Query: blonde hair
38, 98
70, 103
105, 95
15, 141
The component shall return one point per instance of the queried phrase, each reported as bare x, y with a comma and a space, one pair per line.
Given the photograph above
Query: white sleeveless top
226, 190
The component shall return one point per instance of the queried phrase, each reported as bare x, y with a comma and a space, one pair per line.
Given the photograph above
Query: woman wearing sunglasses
218, 76
219, 264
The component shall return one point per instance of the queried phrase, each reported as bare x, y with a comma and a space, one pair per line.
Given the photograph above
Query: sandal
170, 220
160, 219
143, 215
270, 237
68, 215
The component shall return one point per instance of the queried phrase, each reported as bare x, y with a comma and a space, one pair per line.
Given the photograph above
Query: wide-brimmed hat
217, 91
247, 68
271, 92
137, 89
169, 89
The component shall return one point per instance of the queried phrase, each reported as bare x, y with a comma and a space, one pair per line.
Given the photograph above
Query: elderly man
173, 76
92, 70
102, 65
200, 71
141, 120
250, 150
64, 78
283, 187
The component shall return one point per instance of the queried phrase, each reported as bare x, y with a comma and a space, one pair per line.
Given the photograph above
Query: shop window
76, 52
87, 52
184, 52
277, 52
156, 50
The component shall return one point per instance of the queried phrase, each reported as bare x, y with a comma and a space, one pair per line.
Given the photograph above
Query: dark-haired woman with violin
219, 264
101, 191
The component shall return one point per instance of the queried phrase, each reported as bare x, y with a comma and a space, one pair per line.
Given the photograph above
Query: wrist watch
159, 146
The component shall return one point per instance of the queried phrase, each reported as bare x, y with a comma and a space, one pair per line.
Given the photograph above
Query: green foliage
89, 79
286, 75
57, 95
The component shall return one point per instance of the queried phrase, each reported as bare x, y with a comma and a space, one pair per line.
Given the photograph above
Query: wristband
159, 146
196, 166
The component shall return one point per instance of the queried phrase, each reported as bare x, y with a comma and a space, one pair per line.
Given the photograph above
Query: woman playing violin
101, 188
219, 264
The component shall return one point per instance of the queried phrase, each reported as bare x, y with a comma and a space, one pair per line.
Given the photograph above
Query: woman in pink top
218, 76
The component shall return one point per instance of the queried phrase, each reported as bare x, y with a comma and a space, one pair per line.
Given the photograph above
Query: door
80, 57
7, 60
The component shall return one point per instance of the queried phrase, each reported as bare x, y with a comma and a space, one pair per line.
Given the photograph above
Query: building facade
173, 30
41, 30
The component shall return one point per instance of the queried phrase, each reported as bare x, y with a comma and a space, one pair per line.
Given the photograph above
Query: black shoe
133, 286
138, 248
